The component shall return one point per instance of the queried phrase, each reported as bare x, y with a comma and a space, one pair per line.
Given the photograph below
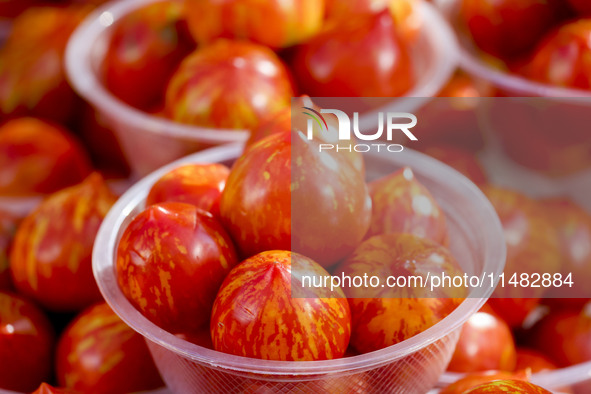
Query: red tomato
202, 337
401, 204
145, 49
476, 379
171, 261
406, 17
513, 310
255, 314
32, 75
508, 28
461, 160
485, 343
255, 206
508, 386
51, 254
228, 84
360, 57
7, 228
38, 157
382, 316
197, 184
583, 7
26, 344
99, 353
12, 8
533, 360
275, 23
563, 57
45, 388
563, 336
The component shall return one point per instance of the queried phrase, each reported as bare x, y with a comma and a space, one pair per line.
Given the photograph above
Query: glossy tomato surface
51, 254
563, 57
171, 261
32, 75
402, 204
507, 28
361, 57
508, 386
197, 184
228, 84
275, 23
146, 47
533, 360
257, 315
486, 343
476, 379
383, 316
26, 344
99, 353
37, 157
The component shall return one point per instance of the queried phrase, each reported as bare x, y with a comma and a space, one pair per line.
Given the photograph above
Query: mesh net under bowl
413, 365
149, 141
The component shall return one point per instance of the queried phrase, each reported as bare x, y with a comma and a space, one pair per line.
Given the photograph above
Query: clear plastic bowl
413, 365
150, 141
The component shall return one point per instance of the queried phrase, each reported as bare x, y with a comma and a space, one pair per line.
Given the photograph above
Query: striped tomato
256, 315
99, 353
171, 261
508, 386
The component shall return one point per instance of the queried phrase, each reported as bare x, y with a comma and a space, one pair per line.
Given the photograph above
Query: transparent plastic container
150, 141
413, 365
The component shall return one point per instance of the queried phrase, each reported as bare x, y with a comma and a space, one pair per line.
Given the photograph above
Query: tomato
508, 386
197, 184
485, 343
51, 254
349, 384
255, 314
45, 388
401, 204
507, 28
8, 225
476, 379
461, 160
201, 337
144, 50
255, 206
99, 353
407, 19
273, 23
382, 316
535, 361
32, 75
581, 6
295, 119
171, 261
228, 84
532, 247
563, 57
26, 344
12, 8
38, 157
564, 336
360, 57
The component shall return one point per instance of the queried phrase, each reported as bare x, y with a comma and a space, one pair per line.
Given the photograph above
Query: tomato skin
273, 23
171, 260
401, 204
99, 353
476, 379
535, 361
581, 6
26, 344
485, 343
260, 221
461, 160
145, 49
510, 386
8, 225
497, 26
381, 316
51, 255
32, 75
562, 57
346, 60
37, 157
256, 297
45, 388
12, 8
228, 84
197, 184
